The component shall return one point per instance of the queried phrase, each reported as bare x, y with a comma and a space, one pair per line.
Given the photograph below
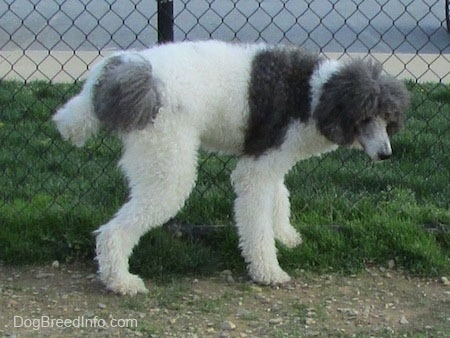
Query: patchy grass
351, 212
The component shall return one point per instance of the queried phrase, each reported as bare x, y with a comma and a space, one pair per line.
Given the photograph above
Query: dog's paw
289, 237
272, 276
129, 285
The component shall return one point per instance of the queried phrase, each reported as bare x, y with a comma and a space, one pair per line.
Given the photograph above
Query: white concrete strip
67, 66
54, 66
420, 67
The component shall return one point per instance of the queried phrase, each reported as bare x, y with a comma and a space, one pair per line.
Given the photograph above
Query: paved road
403, 26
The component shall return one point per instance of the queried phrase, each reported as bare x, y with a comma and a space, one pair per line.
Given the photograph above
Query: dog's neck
302, 142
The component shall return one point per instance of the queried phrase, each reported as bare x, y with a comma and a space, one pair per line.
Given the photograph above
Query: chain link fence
56, 41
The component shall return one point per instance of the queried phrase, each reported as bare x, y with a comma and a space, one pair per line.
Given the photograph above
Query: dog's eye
392, 128
361, 125
365, 121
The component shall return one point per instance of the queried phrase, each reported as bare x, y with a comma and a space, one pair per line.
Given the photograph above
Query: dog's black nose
384, 156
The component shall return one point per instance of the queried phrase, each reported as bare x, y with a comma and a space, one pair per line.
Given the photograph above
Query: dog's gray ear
350, 96
329, 123
394, 101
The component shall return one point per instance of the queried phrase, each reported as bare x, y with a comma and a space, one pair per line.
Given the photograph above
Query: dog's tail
120, 94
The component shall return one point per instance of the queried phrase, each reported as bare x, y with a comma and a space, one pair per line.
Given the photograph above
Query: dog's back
204, 83
207, 82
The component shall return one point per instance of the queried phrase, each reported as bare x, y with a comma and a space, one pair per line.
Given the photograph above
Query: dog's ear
394, 101
350, 96
329, 121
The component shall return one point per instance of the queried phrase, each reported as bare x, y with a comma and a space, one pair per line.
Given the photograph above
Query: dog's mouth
381, 154
376, 155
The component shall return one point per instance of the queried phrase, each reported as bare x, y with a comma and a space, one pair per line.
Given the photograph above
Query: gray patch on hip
126, 96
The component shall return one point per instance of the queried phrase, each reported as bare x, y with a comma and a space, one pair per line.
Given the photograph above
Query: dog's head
361, 107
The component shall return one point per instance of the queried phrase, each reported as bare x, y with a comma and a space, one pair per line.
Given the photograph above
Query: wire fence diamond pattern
58, 40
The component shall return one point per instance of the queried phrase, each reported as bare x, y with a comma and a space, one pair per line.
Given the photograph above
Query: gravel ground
68, 300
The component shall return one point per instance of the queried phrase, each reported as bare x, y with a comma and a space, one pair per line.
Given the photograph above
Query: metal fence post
165, 21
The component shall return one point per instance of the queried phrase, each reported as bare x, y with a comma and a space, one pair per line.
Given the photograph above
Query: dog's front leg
254, 212
282, 227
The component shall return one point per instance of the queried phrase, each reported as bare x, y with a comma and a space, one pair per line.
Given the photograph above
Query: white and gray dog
271, 106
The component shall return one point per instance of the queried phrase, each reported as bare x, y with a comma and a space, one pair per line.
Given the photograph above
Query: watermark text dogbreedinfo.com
78, 322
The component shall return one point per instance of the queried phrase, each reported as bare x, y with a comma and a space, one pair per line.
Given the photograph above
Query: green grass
351, 212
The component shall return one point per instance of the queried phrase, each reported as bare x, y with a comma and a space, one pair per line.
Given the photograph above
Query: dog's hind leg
255, 186
161, 172
282, 227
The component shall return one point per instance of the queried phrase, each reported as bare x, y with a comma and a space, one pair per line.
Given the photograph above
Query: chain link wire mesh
56, 41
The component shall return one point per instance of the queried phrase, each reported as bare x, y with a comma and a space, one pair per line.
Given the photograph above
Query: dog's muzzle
374, 139
379, 154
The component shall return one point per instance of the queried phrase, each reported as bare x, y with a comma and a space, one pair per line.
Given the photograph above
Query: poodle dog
269, 105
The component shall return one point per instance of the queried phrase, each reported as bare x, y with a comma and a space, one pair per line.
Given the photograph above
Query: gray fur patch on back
279, 93
126, 96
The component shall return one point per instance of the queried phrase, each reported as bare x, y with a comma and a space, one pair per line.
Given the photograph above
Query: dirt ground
68, 300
